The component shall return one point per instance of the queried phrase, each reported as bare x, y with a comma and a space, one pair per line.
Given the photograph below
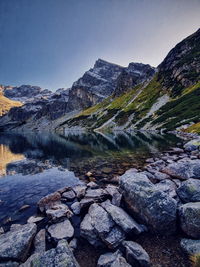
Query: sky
51, 43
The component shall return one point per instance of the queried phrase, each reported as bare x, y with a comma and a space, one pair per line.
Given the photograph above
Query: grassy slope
6, 104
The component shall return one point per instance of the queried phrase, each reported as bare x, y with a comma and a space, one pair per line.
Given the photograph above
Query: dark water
33, 165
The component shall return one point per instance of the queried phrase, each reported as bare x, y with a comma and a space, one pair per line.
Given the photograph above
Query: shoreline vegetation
150, 218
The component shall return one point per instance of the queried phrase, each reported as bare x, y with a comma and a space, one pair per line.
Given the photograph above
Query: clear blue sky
51, 43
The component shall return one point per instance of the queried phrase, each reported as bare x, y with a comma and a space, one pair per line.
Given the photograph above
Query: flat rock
80, 190
96, 193
189, 215
135, 254
122, 218
92, 185
151, 205
189, 191
184, 169
61, 230
15, 244
69, 195
58, 211
49, 201
61, 256
190, 246
35, 219
107, 259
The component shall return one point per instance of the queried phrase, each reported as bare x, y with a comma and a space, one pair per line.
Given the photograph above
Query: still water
34, 165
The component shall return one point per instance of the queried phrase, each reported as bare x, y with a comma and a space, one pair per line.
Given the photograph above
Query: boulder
184, 169
15, 244
57, 257
123, 219
190, 219
58, 211
40, 241
192, 145
190, 246
49, 201
35, 219
80, 190
189, 191
76, 208
112, 259
99, 228
136, 255
167, 186
115, 194
73, 244
69, 195
97, 194
61, 230
151, 205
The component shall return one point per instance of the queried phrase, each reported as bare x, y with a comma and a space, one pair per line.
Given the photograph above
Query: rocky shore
159, 201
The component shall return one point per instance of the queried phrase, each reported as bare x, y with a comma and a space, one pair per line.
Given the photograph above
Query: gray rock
86, 202
192, 145
92, 185
40, 241
114, 237
123, 219
97, 194
112, 259
184, 169
189, 191
190, 219
49, 201
135, 254
34, 219
15, 244
58, 211
152, 206
190, 246
115, 194
76, 208
80, 190
61, 256
61, 230
69, 195
107, 259
167, 186
73, 244
159, 176
9, 264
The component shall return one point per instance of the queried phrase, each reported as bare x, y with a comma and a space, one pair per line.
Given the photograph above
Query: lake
33, 165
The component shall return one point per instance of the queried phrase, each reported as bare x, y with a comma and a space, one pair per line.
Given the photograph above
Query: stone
159, 176
89, 174
86, 202
92, 185
114, 237
184, 169
9, 264
76, 208
61, 230
135, 254
49, 201
190, 246
120, 262
15, 244
189, 191
152, 206
80, 190
150, 160
123, 219
189, 215
192, 145
40, 241
35, 219
59, 211
98, 194
115, 194
69, 195
1, 230
57, 257
167, 186
106, 170
15, 226
73, 244
107, 259
24, 207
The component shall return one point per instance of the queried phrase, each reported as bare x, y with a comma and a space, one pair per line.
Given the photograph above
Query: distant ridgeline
110, 97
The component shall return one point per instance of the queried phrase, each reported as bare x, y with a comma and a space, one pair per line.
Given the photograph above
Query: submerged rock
151, 205
190, 219
136, 255
15, 244
184, 169
189, 191
61, 230
57, 257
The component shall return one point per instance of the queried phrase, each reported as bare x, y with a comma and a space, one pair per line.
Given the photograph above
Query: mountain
44, 110
5, 103
169, 101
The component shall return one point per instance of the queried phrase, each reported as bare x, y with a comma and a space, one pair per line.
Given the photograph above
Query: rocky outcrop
151, 205
189, 191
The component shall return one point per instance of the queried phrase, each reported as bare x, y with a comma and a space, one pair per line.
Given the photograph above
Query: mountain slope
169, 101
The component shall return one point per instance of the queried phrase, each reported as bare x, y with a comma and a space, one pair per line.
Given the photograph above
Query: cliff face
169, 101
